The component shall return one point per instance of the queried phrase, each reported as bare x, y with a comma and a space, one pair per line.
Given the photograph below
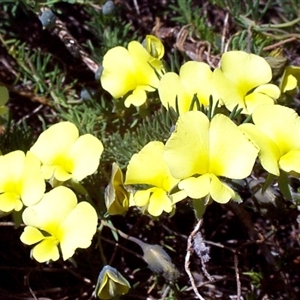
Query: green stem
102, 255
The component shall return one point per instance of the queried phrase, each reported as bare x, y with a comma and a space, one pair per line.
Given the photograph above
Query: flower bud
47, 18
154, 46
87, 93
116, 196
108, 8
159, 261
111, 284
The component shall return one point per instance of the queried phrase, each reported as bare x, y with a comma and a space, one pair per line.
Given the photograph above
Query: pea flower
117, 198
200, 151
4, 96
21, 181
65, 155
243, 80
111, 283
58, 221
130, 70
276, 131
195, 78
290, 79
148, 167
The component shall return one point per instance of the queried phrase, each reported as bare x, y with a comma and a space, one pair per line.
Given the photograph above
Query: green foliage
256, 278
109, 31
252, 9
16, 137
189, 15
121, 147
184, 10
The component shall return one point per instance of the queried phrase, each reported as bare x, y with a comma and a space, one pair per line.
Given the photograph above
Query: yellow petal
46, 250
84, 156
269, 153
156, 200
187, 150
77, 230
228, 91
148, 167
281, 124
171, 88
264, 94
31, 235
289, 84
178, 196
253, 100
52, 210
143, 71
290, 79
141, 198
13, 164
137, 98
254, 71
234, 83
232, 155
33, 184
220, 192
159, 202
196, 77
196, 187
10, 201
118, 72
60, 172
270, 90
11, 181
290, 161
49, 171
54, 144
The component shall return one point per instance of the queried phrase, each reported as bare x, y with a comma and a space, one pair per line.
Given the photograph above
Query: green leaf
284, 187
3, 95
199, 207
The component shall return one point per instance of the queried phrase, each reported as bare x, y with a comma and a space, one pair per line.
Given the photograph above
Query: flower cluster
231, 85
55, 221
205, 152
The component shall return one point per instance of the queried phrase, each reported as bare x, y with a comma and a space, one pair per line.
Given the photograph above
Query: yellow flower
130, 70
148, 167
21, 181
111, 283
199, 152
195, 78
116, 196
243, 80
58, 221
65, 155
290, 79
277, 134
